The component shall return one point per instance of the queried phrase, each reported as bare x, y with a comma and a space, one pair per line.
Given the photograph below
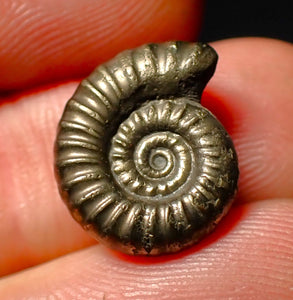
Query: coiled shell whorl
140, 163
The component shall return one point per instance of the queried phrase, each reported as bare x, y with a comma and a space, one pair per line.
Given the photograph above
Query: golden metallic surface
140, 163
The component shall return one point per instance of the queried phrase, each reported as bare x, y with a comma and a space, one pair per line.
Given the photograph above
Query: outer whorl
140, 163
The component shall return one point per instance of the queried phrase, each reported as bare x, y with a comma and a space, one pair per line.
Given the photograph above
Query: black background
236, 18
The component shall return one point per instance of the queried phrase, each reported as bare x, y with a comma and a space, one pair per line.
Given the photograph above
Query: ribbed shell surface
140, 163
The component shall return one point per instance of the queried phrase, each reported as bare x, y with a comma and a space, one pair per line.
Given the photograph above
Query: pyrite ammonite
140, 163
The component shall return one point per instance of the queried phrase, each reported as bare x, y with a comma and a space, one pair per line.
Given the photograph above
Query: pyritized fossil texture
140, 163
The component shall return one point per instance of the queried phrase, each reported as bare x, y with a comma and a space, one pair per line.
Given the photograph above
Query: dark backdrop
234, 18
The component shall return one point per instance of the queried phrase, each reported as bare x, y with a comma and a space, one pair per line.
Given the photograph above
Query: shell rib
140, 163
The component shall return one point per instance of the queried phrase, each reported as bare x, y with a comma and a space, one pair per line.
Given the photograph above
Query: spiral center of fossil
154, 157
160, 159
154, 160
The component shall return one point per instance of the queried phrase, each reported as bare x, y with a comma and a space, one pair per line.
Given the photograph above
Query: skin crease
88, 32
248, 257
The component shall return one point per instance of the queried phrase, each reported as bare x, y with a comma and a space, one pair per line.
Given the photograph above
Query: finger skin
36, 225
254, 261
33, 218
251, 94
46, 41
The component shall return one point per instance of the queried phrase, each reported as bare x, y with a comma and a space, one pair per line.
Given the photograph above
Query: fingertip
251, 94
51, 41
255, 254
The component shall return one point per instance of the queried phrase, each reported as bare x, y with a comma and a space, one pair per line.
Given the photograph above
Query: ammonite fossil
140, 163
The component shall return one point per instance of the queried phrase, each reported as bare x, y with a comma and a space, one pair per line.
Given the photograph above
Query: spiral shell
140, 163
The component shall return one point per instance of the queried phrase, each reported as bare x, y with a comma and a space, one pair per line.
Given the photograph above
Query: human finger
48, 41
251, 95
253, 261
28, 192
